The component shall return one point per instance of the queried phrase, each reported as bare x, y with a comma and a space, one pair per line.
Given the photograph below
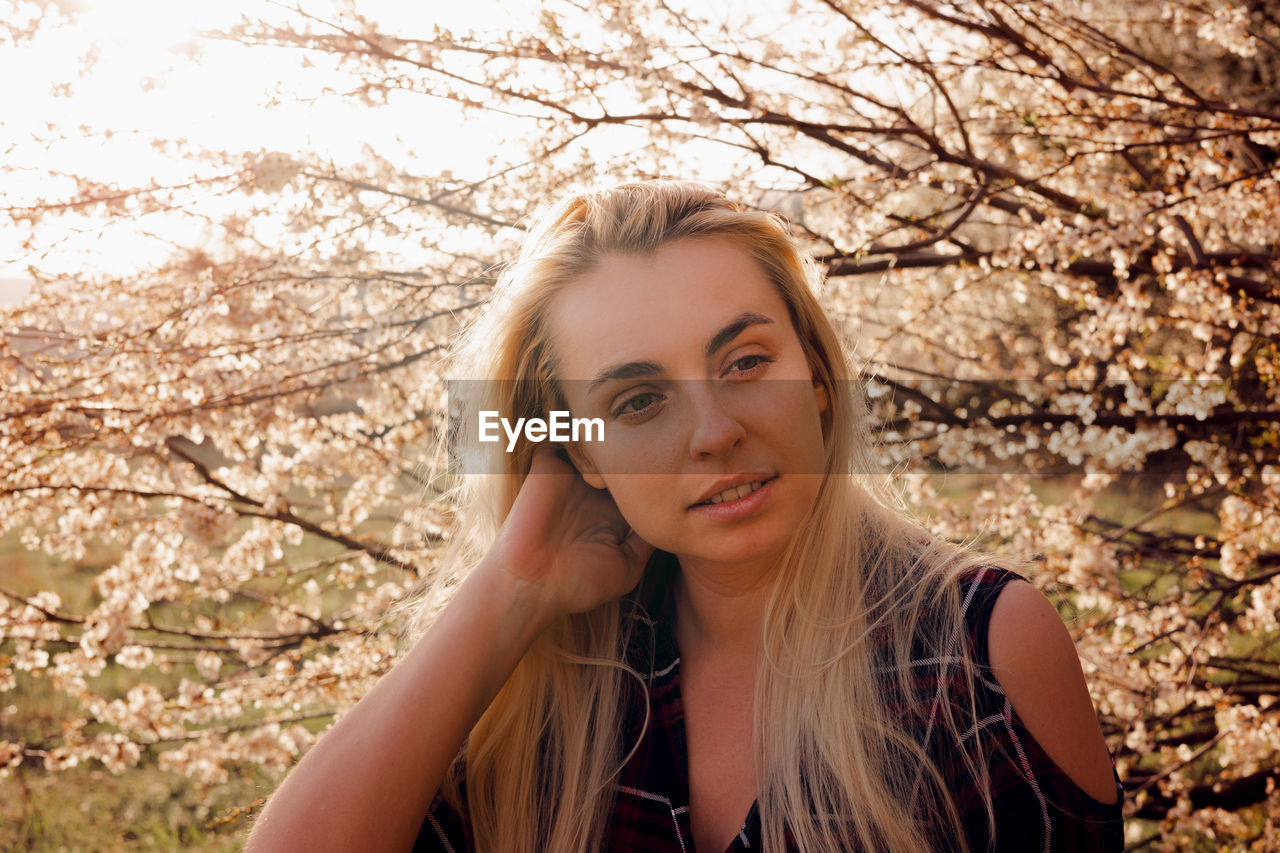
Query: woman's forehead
663, 304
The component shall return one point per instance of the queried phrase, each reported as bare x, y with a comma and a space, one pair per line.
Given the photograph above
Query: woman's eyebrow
629, 370
734, 328
638, 369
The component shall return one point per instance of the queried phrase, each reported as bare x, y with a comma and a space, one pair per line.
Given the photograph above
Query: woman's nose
716, 430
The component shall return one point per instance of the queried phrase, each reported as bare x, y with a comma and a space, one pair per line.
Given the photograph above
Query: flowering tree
1051, 229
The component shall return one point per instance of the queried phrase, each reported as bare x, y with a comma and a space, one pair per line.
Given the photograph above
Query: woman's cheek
630, 451
648, 503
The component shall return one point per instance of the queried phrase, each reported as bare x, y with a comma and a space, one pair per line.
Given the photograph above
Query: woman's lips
739, 507
727, 488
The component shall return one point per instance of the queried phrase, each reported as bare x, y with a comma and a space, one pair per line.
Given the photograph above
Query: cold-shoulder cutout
1035, 662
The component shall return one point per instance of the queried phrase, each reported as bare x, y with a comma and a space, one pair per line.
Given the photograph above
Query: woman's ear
820, 393
583, 463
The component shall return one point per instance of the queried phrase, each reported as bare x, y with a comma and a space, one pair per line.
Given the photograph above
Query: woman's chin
745, 551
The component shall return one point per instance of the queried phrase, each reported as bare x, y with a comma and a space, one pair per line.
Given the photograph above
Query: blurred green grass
145, 808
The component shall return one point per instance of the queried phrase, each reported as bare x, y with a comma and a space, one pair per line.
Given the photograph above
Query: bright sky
144, 86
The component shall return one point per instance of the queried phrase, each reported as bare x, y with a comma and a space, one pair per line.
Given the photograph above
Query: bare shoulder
1035, 661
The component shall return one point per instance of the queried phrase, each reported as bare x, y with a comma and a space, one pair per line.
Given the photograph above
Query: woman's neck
720, 608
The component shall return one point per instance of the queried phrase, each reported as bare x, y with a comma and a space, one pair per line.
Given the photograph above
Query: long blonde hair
859, 600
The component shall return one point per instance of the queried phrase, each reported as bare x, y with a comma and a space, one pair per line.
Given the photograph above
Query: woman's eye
637, 405
749, 364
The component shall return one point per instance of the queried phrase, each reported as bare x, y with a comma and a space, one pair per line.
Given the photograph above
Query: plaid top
1037, 806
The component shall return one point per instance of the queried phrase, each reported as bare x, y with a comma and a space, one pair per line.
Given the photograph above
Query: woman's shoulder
1034, 661
979, 587
1051, 772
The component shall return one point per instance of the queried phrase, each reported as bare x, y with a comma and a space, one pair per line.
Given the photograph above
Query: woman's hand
564, 542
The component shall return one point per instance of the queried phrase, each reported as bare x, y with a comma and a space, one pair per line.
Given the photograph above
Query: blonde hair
859, 600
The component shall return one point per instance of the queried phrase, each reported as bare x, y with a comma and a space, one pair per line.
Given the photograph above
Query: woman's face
712, 443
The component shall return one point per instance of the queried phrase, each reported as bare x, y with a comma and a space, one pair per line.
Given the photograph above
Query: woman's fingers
568, 538
547, 462
636, 546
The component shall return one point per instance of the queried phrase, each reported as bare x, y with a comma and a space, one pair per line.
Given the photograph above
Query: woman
705, 631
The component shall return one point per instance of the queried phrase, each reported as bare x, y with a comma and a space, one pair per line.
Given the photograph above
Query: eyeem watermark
559, 426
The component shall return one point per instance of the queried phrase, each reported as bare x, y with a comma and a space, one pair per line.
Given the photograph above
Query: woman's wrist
525, 608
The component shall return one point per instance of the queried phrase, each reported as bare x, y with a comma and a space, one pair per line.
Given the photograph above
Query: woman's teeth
735, 493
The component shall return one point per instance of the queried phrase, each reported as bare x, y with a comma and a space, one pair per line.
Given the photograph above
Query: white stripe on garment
923, 662
937, 696
659, 798
665, 669
981, 724
435, 824
1026, 766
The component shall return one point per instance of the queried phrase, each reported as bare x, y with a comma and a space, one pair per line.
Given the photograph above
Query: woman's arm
367, 783
1035, 661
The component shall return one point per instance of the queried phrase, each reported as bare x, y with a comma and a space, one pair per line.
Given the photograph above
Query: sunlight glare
164, 22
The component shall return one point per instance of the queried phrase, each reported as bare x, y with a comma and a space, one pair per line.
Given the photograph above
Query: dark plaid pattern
1037, 806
